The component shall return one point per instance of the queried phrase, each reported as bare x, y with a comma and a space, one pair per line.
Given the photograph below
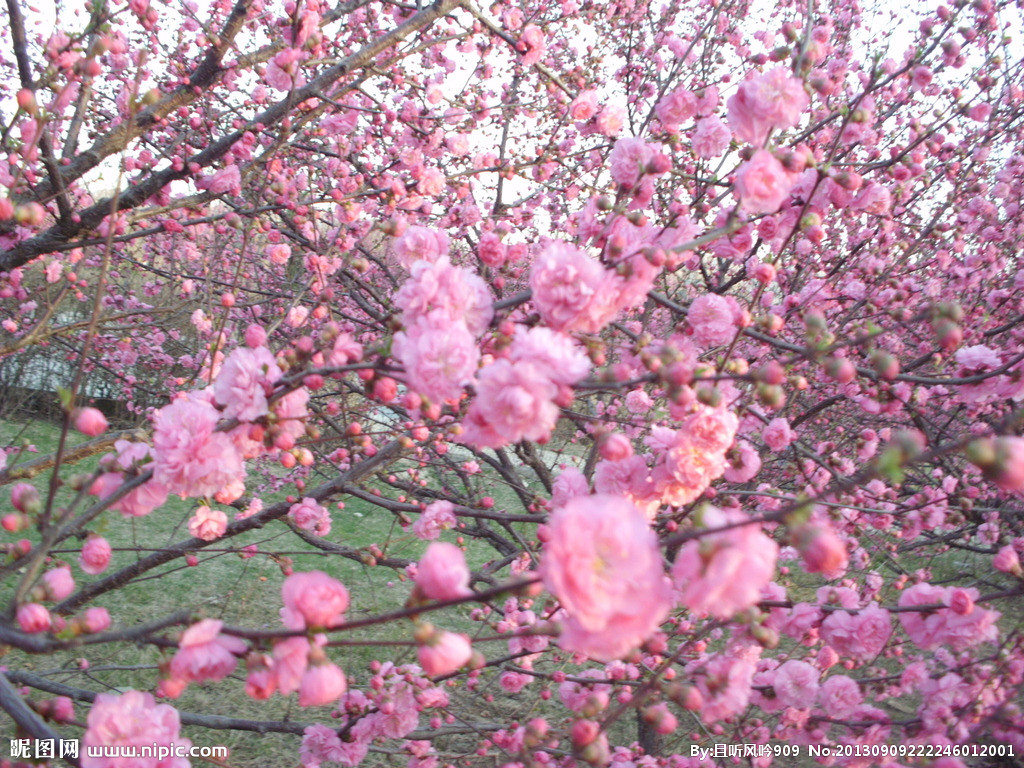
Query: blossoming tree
686, 340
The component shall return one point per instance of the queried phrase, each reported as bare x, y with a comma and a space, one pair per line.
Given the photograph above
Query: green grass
239, 591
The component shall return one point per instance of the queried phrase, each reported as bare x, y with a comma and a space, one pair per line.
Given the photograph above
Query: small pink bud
33, 618
91, 422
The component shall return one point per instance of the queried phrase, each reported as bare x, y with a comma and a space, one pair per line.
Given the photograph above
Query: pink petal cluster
723, 573
191, 458
796, 684
859, 635
313, 599
460, 295
778, 435
91, 422
132, 719
142, 500
514, 402
930, 628
444, 653
245, 380
33, 618
840, 696
714, 319
208, 523
601, 555
689, 459
311, 516
440, 356
762, 183
775, 99
58, 583
438, 516
420, 243
572, 292
630, 161
205, 654
676, 107
442, 573
711, 138
95, 555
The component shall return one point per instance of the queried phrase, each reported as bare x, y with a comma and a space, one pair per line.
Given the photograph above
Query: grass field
239, 591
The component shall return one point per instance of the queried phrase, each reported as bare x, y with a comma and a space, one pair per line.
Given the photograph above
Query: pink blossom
628, 161
778, 435
723, 573
225, 181
762, 184
558, 354
437, 517
95, 555
744, 463
711, 138
599, 556
418, 243
840, 696
514, 402
283, 71
691, 458
725, 686
772, 100
132, 719
1007, 561
569, 484
291, 657
860, 636
313, 599
142, 500
572, 292
246, 378
91, 422
322, 683
95, 620
873, 198
442, 573
190, 458
796, 684
311, 516
491, 250
58, 583
610, 120
440, 357
457, 293
714, 319
444, 653
33, 617
978, 357
823, 552
204, 654
584, 106
531, 44
208, 524
676, 107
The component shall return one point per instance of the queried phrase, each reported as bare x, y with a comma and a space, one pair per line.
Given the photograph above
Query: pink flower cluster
859, 635
204, 654
245, 380
444, 309
132, 719
959, 623
600, 555
139, 501
190, 457
311, 516
723, 573
689, 459
518, 396
775, 99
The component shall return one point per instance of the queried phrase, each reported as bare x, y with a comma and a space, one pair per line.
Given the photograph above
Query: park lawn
238, 590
